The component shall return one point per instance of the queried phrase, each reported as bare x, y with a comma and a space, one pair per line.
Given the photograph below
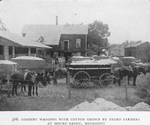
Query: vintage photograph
75, 55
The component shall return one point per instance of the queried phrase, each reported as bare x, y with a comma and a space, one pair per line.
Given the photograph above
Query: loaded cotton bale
31, 63
49, 64
116, 59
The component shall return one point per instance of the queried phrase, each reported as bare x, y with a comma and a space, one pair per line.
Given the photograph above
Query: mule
24, 78
142, 70
41, 77
131, 72
47, 75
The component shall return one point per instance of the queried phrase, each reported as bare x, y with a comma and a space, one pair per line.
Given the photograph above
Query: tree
98, 34
2, 26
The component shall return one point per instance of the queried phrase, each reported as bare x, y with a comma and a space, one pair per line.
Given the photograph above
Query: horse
59, 73
133, 72
142, 70
23, 78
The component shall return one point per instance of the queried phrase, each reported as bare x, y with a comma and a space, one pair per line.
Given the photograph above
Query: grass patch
143, 92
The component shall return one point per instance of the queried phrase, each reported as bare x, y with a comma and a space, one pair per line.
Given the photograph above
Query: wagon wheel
105, 80
81, 79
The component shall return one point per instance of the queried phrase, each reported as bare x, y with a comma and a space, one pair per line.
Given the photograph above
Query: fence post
68, 82
126, 91
8, 85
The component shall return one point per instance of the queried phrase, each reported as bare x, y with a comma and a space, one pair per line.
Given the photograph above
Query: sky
127, 19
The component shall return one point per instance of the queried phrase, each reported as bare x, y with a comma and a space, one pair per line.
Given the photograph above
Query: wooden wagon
31, 63
83, 72
6, 68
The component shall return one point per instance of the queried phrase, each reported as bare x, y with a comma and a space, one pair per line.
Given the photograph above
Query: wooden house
67, 40
116, 50
139, 50
13, 45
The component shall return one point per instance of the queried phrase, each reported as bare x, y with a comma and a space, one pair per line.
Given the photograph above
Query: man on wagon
55, 57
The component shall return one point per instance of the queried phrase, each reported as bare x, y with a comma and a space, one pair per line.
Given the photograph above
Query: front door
66, 45
67, 55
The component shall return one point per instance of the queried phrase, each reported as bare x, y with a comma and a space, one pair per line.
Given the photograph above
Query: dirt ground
55, 97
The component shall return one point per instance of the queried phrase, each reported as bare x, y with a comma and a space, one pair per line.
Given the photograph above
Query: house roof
116, 47
21, 40
52, 33
135, 44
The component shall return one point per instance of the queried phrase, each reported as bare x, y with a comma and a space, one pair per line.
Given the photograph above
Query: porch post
6, 52
29, 51
13, 51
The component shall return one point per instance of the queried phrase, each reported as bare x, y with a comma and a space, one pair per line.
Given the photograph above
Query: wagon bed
85, 71
91, 69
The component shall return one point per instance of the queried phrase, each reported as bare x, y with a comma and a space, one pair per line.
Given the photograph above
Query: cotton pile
101, 104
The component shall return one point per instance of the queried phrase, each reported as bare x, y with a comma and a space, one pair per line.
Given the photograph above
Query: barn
139, 51
13, 45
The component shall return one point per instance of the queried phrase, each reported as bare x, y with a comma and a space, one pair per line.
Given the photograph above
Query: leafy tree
2, 26
98, 34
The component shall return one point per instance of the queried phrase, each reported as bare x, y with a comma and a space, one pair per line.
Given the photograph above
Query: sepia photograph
78, 56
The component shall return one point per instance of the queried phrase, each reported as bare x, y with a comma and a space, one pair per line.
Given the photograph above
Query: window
66, 45
1, 50
10, 50
130, 53
23, 50
20, 50
33, 50
16, 50
78, 43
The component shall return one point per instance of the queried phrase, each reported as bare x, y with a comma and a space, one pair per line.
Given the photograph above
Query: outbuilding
139, 51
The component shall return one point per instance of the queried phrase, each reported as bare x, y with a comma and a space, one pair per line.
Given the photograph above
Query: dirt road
55, 97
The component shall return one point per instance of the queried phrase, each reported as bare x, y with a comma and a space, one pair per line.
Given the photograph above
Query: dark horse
132, 72
24, 78
44, 78
59, 73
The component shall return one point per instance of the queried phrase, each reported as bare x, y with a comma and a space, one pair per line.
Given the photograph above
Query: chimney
56, 20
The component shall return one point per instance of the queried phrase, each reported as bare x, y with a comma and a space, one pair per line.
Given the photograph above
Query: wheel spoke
81, 79
105, 80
